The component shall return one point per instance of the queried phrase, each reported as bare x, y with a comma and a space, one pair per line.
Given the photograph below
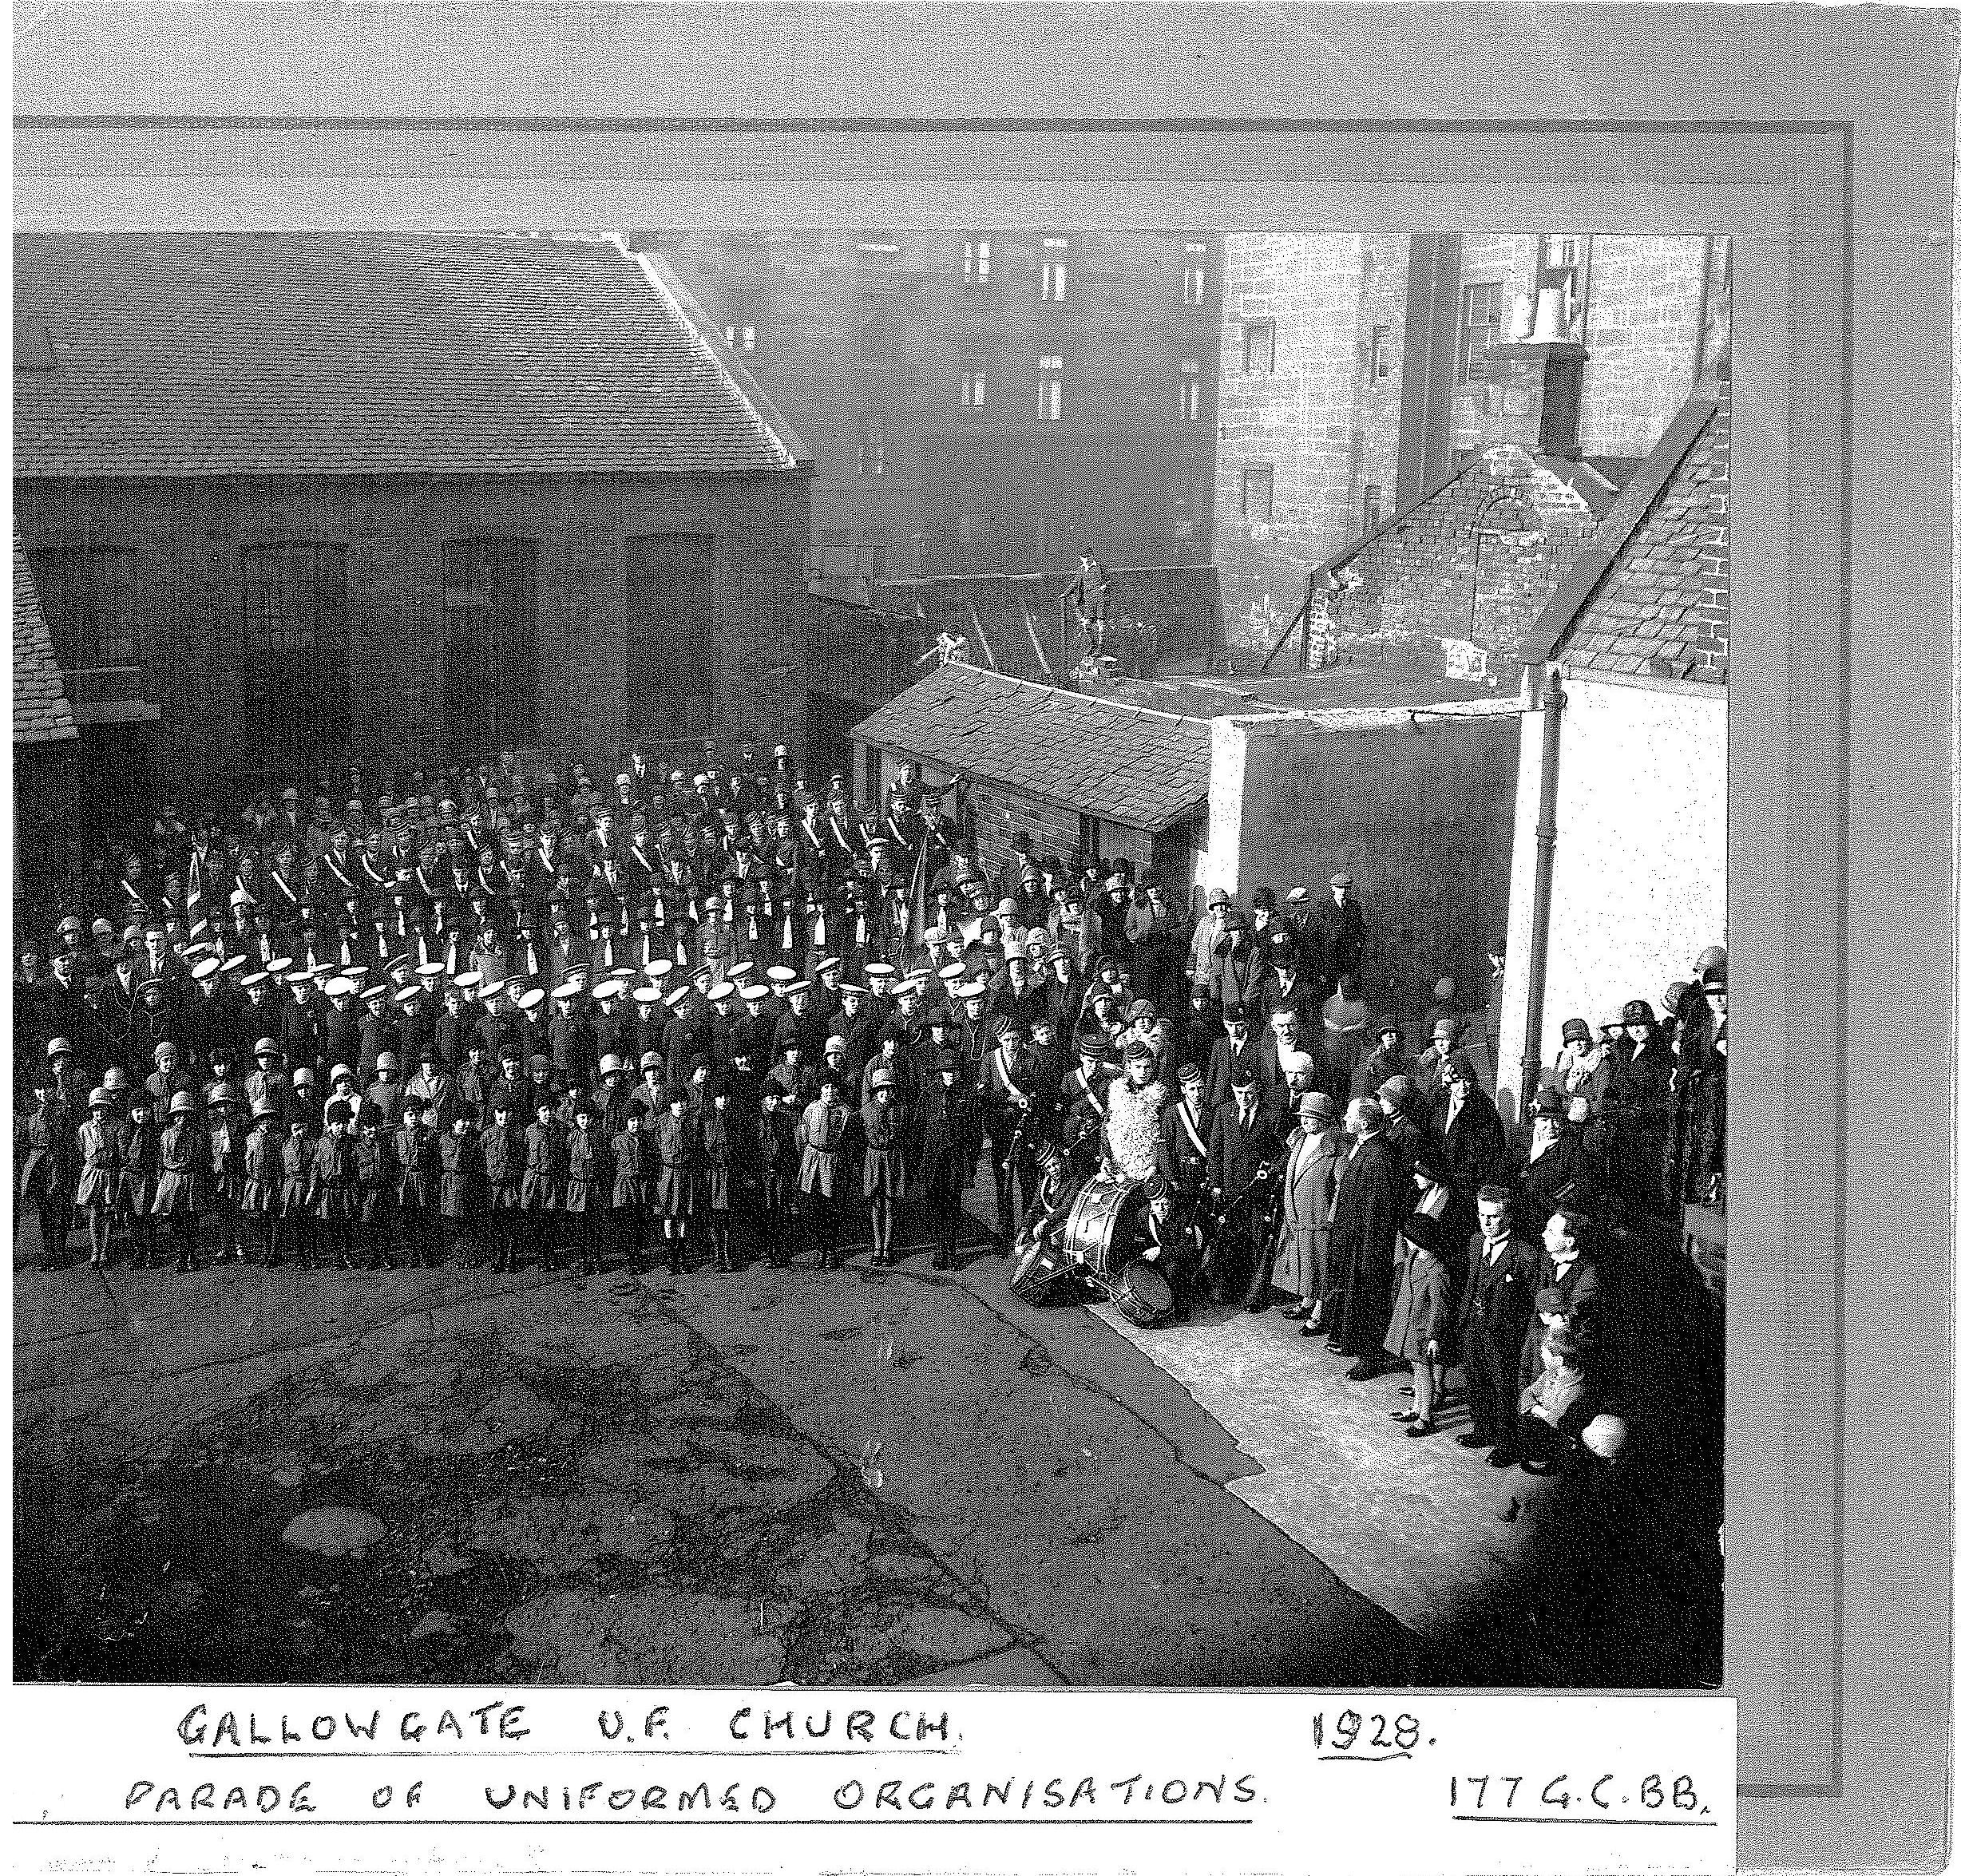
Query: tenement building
1356, 373
288, 500
984, 400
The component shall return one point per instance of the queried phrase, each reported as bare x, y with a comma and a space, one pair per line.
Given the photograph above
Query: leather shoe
1419, 1429
1501, 1457
1473, 1440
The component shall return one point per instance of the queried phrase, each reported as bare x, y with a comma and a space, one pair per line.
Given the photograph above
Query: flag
915, 902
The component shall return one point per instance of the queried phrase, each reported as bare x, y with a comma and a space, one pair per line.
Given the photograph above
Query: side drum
1103, 1225
1143, 1294
1041, 1273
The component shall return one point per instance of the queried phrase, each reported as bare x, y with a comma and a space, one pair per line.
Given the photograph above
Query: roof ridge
670, 291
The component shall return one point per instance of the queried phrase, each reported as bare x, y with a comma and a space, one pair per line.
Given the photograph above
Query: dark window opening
296, 645
490, 645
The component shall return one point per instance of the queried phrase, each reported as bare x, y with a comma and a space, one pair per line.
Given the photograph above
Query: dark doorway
827, 738
670, 605
490, 646
112, 776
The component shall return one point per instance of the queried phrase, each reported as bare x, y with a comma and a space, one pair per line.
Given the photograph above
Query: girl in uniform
291, 1225
258, 1196
136, 1190
677, 1152
585, 1191
631, 1157
820, 1174
101, 1169
224, 1137
884, 1174
546, 1168
716, 1144
463, 1164
333, 1187
181, 1154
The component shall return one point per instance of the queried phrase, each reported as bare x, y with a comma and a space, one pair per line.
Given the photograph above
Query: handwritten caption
1499, 1782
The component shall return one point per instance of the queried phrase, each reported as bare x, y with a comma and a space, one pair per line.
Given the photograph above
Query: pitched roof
1650, 596
1141, 768
368, 355
41, 711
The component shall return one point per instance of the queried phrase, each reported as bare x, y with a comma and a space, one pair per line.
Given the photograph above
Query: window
1191, 390
295, 643
973, 384
1480, 311
739, 328
1379, 355
89, 597
1255, 493
1055, 279
1372, 508
1197, 260
871, 445
1048, 549
669, 616
977, 260
1048, 388
489, 645
1256, 348
34, 345
1563, 265
873, 546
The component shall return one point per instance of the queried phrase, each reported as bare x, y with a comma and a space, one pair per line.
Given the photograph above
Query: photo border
1834, 811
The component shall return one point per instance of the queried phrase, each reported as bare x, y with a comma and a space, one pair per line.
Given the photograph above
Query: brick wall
1423, 820
1473, 566
187, 536
1300, 418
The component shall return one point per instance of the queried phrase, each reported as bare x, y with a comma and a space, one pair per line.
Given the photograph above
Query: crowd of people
500, 1015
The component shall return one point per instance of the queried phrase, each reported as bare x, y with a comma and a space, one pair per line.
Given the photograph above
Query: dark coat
1372, 1200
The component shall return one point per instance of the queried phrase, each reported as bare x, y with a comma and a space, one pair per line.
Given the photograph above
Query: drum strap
1008, 1084
1191, 1129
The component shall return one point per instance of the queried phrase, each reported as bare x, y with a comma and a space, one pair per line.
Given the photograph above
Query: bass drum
1143, 1294
1104, 1223
1041, 1273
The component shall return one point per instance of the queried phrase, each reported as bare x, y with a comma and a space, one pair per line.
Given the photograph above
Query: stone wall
1300, 417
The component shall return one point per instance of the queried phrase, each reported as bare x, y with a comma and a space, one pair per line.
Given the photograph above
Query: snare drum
1040, 1272
1103, 1224
1143, 1294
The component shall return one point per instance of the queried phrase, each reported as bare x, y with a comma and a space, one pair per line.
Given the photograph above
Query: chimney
1532, 396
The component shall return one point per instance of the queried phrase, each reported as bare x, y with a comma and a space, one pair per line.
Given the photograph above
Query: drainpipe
1701, 311
1553, 703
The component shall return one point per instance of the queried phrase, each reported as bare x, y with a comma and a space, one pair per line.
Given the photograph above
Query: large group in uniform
504, 1015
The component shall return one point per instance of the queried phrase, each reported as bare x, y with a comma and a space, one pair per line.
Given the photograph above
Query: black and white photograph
871, 956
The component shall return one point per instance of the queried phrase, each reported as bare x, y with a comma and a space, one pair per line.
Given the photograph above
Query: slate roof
1140, 768
363, 354
1650, 596
41, 711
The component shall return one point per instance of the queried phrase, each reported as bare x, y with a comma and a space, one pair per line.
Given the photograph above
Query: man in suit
1236, 1048
1495, 1317
1239, 1144
1371, 1201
